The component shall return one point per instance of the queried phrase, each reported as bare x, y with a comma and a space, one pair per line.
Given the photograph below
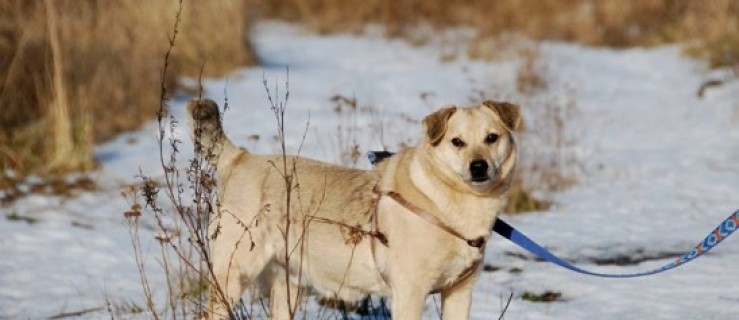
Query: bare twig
76, 313
505, 308
278, 108
188, 237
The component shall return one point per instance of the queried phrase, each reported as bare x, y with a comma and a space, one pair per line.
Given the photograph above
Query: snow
659, 171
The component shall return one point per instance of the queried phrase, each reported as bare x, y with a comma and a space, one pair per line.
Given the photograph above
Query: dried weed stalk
181, 220
289, 175
531, 76
548, 160
347, 109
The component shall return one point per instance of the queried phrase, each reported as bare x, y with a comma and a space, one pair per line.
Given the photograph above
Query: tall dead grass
76, 72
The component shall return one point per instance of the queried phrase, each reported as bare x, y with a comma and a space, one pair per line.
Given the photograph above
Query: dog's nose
479, 170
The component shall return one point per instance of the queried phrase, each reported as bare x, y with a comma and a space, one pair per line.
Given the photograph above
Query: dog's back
312, 180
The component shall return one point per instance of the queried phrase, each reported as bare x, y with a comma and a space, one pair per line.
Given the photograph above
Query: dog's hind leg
279, 304
236, 266
225, 294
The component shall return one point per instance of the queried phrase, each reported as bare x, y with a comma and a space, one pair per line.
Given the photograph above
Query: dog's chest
462, 258
461, 262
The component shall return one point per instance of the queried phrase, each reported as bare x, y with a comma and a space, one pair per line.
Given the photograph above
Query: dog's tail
207, 133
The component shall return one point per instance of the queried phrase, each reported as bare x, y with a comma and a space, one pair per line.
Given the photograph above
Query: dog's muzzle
479, 171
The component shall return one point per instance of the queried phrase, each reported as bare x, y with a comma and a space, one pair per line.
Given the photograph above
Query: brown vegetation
548, 161
73, 73
616, 23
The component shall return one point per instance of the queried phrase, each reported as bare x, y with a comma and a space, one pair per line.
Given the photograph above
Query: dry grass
548, 160
346, 109
83, 71
617, 23
520, 199
530, 77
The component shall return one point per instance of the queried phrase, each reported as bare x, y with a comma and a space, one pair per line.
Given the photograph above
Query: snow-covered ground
658, 170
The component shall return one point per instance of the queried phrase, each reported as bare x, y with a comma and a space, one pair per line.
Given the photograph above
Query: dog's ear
435, 124
509, 113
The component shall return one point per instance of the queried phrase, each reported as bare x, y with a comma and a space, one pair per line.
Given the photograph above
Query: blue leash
723, 231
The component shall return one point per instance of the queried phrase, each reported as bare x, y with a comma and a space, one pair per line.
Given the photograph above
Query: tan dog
452, 182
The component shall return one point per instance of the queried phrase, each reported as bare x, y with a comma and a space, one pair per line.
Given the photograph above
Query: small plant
346, 109
521, 200
546, 296
548, 158
531, 76
15, 216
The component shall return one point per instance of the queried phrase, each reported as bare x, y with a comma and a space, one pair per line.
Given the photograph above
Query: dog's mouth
486, 183
480, 179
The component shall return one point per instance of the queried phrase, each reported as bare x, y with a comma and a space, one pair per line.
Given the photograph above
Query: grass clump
520, 200
547, 296
15, 216
14, 188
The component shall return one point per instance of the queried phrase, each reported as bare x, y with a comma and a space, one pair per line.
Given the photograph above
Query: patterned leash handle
723, 231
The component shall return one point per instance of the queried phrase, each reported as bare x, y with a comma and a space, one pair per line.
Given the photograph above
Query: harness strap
475, 243
432, 219
376, 231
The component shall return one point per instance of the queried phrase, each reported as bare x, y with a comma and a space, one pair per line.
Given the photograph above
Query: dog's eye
491, 138
457, 142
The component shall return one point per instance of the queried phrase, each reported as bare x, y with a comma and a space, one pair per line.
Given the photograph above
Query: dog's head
474, 146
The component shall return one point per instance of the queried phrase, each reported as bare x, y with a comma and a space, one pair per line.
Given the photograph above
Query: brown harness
478, 243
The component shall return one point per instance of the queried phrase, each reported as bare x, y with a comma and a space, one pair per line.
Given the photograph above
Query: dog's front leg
408, 300
455, 301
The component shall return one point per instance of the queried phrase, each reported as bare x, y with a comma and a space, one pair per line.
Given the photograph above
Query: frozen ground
659, 170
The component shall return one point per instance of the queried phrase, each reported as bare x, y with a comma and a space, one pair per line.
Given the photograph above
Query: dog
415, 224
